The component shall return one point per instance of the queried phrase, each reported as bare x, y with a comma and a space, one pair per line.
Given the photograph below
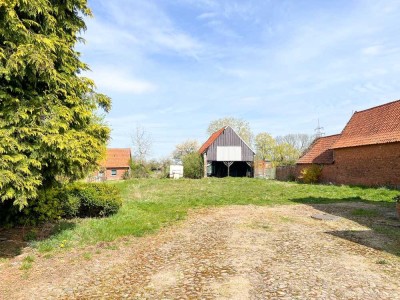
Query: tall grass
150, 204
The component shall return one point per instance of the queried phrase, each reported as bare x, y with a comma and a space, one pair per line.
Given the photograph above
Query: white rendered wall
229, 153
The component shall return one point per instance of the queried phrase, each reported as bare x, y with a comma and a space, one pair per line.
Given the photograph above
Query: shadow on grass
379, 217
13, 240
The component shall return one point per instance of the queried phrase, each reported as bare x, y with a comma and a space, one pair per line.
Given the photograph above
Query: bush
76, 200
193, 166
139, 169
96, 199
311, 174
49, 205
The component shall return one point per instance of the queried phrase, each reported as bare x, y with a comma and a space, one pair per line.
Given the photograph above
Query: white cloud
372, 50
235, 72
191, 61
207, 15
148, 27
111, 79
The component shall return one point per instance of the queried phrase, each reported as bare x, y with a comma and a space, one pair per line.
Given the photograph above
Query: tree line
279, 151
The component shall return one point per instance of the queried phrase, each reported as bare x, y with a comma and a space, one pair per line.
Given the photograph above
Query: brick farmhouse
115, 165
367, 152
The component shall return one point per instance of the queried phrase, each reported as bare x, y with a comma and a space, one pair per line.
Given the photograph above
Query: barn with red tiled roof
373, 126
320, 151
367, 152
225, 153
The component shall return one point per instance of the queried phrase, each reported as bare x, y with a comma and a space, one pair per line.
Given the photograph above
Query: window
113, 172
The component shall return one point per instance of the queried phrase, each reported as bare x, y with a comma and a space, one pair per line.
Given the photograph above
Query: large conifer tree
49, 130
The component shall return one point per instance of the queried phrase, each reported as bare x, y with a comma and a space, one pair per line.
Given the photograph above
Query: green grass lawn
150, 204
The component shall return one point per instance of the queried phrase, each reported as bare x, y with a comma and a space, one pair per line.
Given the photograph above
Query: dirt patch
237, 252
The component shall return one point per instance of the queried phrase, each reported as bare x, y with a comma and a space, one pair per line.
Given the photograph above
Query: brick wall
328, 174
374, 165
118, 176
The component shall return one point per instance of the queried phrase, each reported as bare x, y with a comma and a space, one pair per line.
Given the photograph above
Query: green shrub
311, 174
96, 199
193, 165
76, 200
139, 169
48, 206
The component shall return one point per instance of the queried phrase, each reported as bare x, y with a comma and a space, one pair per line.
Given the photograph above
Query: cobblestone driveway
238, 252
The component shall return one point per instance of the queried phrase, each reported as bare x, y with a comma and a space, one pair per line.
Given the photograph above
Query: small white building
176, 171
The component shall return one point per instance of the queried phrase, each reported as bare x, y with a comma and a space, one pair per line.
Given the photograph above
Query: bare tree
142, 143
298, 141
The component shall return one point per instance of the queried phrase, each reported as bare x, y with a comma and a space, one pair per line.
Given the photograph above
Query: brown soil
237, 252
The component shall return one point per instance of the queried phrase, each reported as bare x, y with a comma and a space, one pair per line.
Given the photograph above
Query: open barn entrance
236, 169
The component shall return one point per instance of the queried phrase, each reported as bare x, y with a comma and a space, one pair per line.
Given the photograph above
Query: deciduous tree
281, 150
285, 154
265, 146
241, 127
299, 141
142, 144
193, 166
48, 127
185, 148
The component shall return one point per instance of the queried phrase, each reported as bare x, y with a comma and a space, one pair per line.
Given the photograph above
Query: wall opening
237, 169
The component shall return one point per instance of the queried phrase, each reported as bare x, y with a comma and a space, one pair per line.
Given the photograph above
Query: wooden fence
285, 173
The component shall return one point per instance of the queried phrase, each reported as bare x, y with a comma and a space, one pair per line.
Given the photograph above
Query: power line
319, 131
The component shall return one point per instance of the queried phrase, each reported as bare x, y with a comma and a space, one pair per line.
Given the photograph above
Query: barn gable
227, 154
225, 142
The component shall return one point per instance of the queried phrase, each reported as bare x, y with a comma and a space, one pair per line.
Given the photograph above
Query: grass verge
150, 204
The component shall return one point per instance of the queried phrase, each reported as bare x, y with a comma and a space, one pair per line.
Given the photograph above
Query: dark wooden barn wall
229, 138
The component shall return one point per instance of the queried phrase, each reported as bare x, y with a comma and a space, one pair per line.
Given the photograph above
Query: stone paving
237, 252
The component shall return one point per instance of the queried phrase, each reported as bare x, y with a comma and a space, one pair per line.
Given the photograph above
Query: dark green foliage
49, 205
76, 200
96, 199
193, 166
49, 131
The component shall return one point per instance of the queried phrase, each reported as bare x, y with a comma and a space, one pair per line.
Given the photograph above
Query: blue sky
174, 66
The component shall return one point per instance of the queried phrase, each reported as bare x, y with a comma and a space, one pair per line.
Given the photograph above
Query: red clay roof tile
376, 125
320, 151
117, 158
211, 140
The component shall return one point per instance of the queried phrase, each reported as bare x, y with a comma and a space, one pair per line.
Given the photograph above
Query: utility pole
319, 131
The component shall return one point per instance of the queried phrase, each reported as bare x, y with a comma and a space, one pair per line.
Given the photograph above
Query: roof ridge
319, 151
375, 125
119, 148
327, 136
374, 107
241, 138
